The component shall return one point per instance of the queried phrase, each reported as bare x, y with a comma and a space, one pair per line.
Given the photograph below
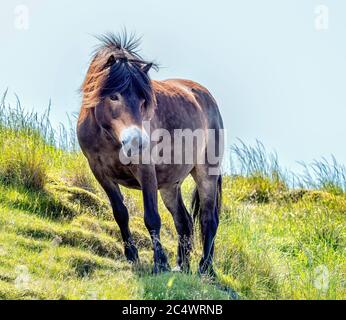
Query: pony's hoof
131, 254
207, 272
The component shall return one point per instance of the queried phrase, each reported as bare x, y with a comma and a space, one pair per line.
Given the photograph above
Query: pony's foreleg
121, 216
183, 223
152, 220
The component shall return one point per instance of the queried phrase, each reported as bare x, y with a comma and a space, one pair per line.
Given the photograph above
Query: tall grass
32, 151
25, 140
30, 146
328, 175
19, 119
256, 171
255, 160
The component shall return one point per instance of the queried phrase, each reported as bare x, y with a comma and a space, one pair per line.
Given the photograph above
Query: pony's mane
129, 42
116, 66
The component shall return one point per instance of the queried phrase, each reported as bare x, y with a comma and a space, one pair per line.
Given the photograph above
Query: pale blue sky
276, 78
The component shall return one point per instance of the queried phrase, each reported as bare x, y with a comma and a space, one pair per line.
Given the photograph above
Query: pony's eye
114, 97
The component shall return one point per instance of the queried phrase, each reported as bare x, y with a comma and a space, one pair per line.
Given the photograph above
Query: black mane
121, 41
125, 66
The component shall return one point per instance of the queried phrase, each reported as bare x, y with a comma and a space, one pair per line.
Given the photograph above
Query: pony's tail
219, 195
196, 206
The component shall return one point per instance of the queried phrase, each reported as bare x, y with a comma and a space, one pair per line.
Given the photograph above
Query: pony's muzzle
134, 141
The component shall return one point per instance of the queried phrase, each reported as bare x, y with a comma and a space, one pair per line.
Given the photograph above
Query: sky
276, 68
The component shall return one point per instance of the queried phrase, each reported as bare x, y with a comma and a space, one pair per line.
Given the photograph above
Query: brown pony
118, 97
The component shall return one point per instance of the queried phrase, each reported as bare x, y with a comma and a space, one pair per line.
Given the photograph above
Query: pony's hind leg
206, 209
173, 201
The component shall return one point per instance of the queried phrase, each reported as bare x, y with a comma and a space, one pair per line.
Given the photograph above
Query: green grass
58, 239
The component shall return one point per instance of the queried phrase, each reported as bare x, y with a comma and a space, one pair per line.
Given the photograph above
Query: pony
118, 97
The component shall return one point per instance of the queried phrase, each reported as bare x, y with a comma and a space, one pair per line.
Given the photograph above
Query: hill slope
46, 256
58, 239
55, 244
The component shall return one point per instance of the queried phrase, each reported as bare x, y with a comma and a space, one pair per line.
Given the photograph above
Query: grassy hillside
58, 239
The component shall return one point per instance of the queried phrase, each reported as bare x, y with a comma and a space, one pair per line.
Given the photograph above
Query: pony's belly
167, 175
128, 182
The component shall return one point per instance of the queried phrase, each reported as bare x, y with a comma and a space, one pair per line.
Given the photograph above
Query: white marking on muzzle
134, 141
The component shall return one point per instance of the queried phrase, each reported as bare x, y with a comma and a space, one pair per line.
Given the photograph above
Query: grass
326, 175
58, 239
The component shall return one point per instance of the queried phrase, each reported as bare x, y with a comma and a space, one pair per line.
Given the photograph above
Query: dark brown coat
170, 104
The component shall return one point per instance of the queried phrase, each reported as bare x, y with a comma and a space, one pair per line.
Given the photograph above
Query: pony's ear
147, 67
110, 61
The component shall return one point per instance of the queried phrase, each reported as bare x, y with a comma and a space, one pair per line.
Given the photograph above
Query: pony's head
118, 87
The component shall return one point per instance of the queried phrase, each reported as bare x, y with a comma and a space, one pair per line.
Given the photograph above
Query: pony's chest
111, 168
